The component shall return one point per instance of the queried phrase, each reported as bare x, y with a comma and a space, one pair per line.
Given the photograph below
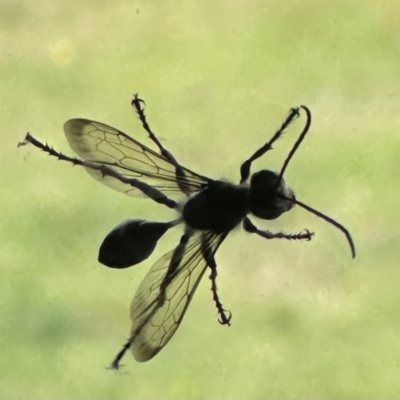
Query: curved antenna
298, 142
327, 219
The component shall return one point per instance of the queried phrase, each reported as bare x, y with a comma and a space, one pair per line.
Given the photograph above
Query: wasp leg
137, 103
225, 316
175, 262
106, 170
116, 362
246, 166
179, 172
151, 307
251, 228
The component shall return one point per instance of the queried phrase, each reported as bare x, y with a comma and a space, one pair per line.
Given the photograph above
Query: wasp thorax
265, 199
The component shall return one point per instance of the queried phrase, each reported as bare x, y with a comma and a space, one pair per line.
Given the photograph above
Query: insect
211, 210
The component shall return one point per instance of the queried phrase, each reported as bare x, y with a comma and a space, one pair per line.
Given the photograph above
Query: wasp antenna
298, 142
327, 219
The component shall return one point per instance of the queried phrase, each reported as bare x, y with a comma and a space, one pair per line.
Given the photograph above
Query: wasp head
267, 195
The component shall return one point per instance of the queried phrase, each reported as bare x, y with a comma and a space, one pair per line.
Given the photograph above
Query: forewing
165, 293
100, 143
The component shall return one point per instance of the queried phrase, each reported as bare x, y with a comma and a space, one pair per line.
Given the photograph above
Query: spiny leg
245, 168
180, 173
176, 260
224, 315
137, 103
251, 228
151, 308
106, 170
116, 362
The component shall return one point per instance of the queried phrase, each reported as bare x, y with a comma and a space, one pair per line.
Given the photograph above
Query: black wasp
212, 209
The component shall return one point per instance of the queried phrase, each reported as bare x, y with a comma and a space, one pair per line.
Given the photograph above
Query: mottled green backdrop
217, 76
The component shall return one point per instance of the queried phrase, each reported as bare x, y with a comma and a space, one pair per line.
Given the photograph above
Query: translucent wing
164, 295
100, 143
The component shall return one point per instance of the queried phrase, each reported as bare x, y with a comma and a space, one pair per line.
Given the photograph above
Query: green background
218, 77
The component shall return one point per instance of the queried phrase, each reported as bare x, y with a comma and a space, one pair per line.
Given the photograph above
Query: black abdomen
219, 207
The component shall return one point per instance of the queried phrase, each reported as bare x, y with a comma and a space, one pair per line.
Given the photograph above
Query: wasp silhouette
211, 210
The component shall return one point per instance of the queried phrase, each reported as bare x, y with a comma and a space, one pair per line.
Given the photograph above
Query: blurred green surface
217, 76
